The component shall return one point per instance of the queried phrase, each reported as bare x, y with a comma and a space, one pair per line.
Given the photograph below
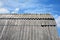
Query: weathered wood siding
23, 27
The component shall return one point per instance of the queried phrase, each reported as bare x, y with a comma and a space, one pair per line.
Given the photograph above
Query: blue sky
32, 6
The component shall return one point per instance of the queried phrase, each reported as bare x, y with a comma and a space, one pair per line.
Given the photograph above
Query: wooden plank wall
16, 29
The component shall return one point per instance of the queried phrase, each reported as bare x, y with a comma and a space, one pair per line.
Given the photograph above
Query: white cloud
15, 11
56, 16
1, 4
4, 10
58, 21
40, 10
26, 5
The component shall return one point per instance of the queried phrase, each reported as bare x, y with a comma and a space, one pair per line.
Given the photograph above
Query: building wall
28, 27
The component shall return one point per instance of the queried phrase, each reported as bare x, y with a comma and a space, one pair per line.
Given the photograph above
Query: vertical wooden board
45, 33
53, 33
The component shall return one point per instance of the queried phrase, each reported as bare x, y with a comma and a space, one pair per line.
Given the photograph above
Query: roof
26, 16
44, 19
